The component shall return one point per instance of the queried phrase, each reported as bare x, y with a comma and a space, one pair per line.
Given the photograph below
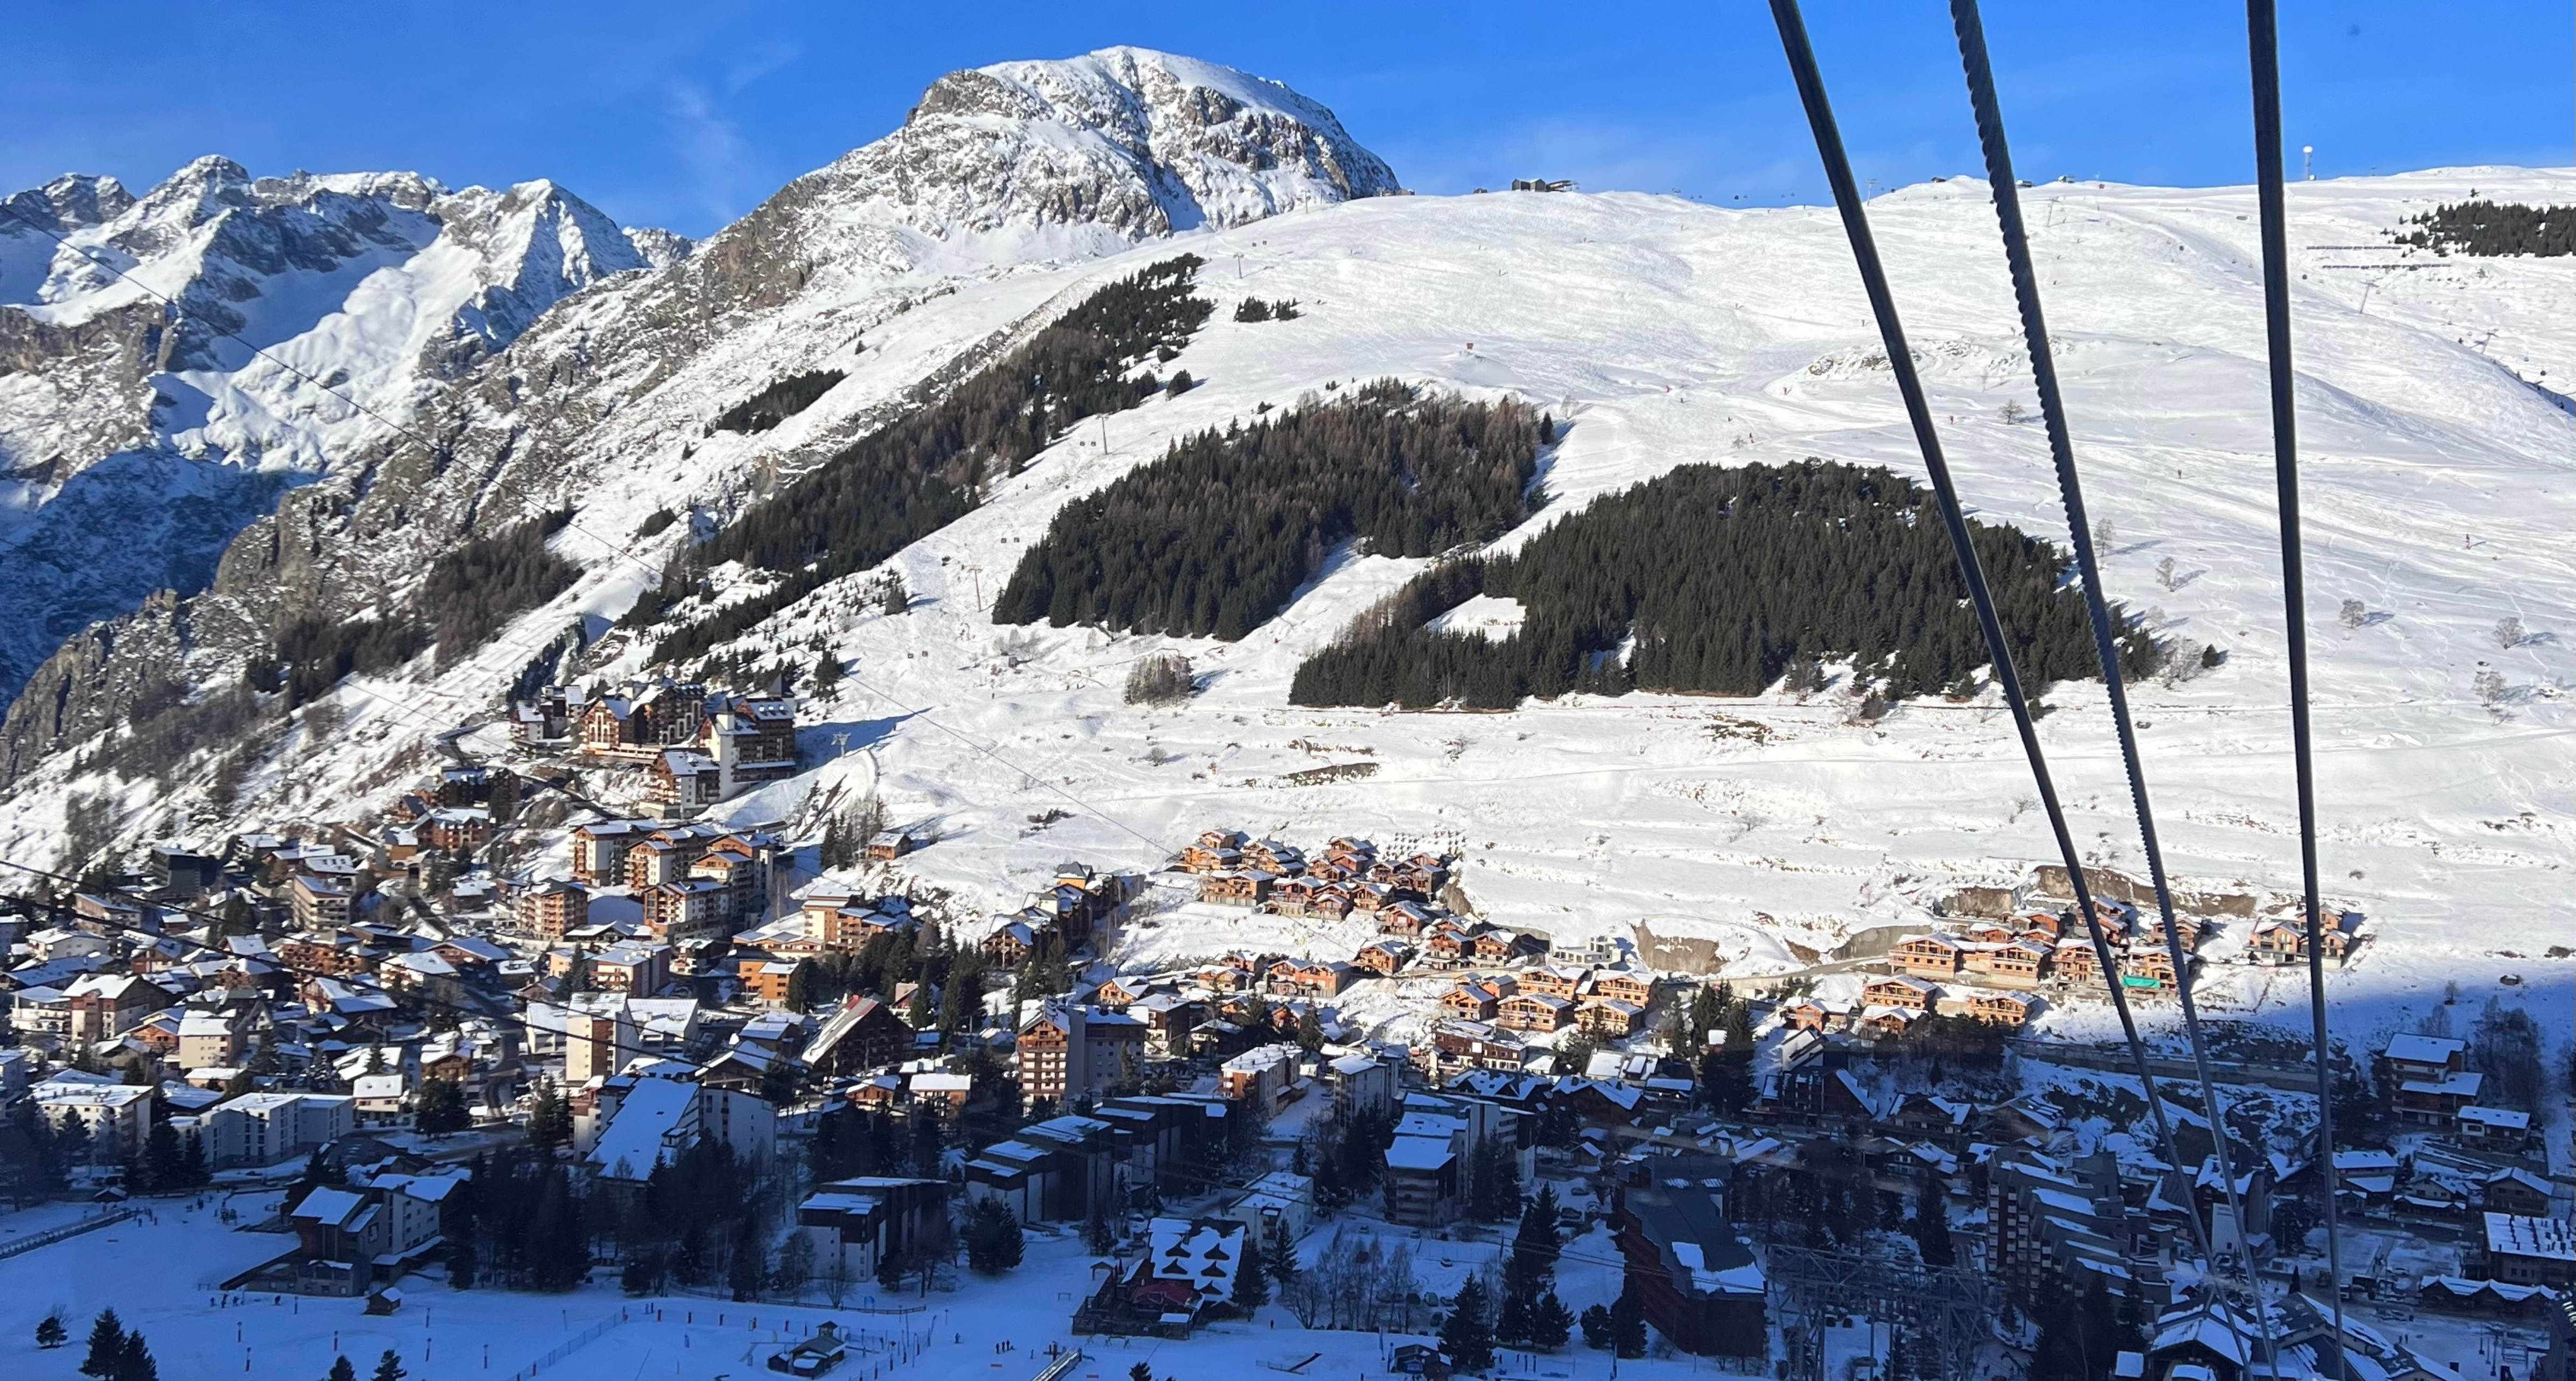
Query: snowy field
156, 1278
2437, 481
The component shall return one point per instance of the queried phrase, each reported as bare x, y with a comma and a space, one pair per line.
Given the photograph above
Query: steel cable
2264, 56
1829, 145
2043, 367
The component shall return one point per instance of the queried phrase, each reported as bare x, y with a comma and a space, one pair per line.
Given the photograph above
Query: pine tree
134, 1360
993, 1239
442, 1107
49, 1332
748, 1267
1596, 1327
1512, 1323
549, 1117
1628, 1324
1466, 1338
1283, 1253
1097, 1239
341, 1370
893, 597
1551, 1323
106, 1343
1932, 1227
389, 1368
1251, 1278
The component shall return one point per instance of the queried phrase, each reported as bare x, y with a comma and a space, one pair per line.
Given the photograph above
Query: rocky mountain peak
1134, 141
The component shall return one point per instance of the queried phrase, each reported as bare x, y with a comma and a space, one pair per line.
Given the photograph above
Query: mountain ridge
503, 414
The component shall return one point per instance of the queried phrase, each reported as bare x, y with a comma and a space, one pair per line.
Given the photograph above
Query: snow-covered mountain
139, 427
1666, 333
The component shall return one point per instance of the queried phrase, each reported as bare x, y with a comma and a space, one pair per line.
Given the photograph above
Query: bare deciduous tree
2354, 614
2509, 634
2165, 573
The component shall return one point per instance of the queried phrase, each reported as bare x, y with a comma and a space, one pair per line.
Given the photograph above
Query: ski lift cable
1999, 171
2264, 57
1829, 145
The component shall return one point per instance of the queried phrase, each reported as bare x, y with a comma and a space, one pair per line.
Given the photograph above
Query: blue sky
687, 114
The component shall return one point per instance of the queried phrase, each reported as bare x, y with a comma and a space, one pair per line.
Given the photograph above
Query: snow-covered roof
2425, 1050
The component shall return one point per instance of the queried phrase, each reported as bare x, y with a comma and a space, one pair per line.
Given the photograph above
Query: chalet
1906, 993
1807, 1014
2012, 964
1309, 978
1121, 992
1461, 1045
1557, 980
1925, 956
1216, 851
1383, 956
1333, 870
1271, 856
863, 1033
2275, 942
1010, 945
2504, 1129
2074, 962
2151, 931
888, 845
1293, 896
1404, 918
1886, 1023
1356, 853
2042, 924
1372, 897
2013, 1010
1987, 933
1624, 985
1235, 888
2148, 969
1603, 1016
1500, 947
1532, 1012
1477, 999
1447, 943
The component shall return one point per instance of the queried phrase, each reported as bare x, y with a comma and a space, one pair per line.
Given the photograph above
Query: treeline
778, 402
921, 472
313, 652
475, 589
2487, 228
1723, 581
1216, 537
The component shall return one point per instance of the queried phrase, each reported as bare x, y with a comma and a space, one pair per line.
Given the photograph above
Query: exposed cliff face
515, 399
138, 434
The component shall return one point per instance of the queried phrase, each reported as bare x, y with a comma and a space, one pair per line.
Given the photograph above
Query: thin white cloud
710, 149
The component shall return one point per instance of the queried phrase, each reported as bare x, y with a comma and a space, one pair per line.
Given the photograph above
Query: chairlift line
1820, 119
2007, 203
